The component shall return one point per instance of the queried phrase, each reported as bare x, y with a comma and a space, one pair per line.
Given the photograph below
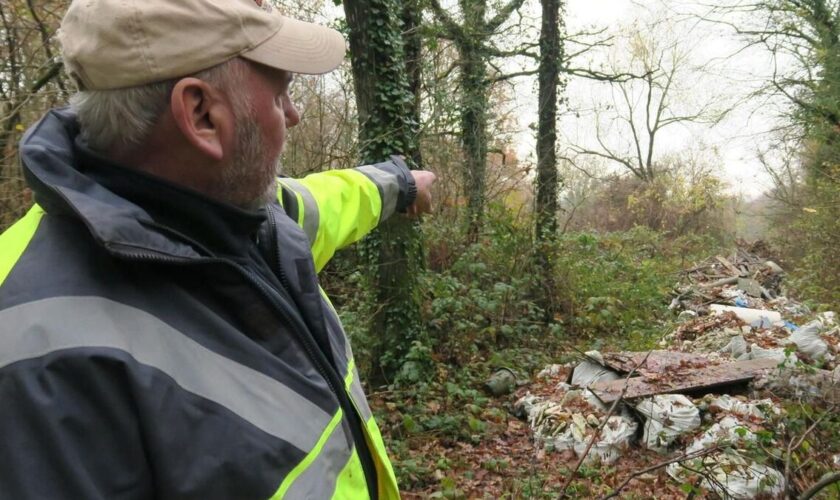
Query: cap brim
300, 47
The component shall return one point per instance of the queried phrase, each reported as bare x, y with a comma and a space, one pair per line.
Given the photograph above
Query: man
162, 331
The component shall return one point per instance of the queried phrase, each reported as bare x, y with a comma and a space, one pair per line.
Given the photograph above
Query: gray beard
251, 180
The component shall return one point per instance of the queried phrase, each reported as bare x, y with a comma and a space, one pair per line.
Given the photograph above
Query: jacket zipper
301, 331
363, 450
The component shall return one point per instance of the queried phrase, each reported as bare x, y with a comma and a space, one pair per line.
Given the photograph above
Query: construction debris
691, 379
668, 417
569, 424
735, 328
717, 278
729, 473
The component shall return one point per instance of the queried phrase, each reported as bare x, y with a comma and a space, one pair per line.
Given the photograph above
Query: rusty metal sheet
682, 380
655, 362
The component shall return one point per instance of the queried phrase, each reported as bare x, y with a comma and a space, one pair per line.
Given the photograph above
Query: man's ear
202, 116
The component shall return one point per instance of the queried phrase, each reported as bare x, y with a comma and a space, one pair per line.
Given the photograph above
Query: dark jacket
158, 344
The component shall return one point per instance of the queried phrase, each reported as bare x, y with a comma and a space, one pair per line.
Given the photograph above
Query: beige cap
109, 44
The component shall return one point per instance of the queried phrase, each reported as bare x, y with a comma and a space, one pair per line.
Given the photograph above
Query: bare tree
31, 82
631, 123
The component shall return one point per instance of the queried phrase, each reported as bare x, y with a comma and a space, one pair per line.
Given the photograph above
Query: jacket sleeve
339, 207
69, 431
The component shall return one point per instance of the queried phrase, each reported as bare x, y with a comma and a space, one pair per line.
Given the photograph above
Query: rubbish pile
689, 399
743, 280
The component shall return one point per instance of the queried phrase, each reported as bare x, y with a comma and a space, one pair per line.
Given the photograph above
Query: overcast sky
735, 140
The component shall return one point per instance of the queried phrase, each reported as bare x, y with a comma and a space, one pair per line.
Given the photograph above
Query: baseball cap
111, 44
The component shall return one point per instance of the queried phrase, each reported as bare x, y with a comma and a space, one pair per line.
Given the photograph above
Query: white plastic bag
740, 478
729, 474
588, 372
761, 318
777, 354
552, 370
564, 426
759, 409
807, 339
524, 406
668, 416
614, 439
736, 347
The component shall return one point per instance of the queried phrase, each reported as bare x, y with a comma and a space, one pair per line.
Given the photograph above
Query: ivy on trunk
388, 123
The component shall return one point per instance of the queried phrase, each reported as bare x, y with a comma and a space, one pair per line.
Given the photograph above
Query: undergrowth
480, 313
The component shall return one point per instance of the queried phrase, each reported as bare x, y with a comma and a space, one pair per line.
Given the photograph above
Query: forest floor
501, 461
449, 438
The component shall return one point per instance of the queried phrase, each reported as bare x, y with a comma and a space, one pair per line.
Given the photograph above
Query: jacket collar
125, 210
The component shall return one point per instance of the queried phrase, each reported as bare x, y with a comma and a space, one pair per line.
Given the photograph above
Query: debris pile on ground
667, 417
725, 469
744, 279
736, 328
571, 422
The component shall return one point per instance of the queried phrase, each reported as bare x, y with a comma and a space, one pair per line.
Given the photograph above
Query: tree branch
684, 457
822, 483
501, 16
452, 28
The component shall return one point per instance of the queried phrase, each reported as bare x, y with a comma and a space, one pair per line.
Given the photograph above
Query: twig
597, 434
793, 446
822, 483
681, 458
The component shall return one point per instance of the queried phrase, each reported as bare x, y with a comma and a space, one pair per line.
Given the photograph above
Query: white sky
736, 139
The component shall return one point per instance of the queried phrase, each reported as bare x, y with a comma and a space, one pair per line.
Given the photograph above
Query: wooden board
682, 380
657, 361
728, 265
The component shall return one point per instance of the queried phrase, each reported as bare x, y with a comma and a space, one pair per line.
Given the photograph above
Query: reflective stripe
316, 475
38, 328
310, 208
357, 394
359, 398
301, 213
14, 241
279, 187
389, 188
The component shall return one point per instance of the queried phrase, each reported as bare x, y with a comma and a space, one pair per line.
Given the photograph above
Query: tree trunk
387, 126
547, 179
412, 16
472, 40
475, 89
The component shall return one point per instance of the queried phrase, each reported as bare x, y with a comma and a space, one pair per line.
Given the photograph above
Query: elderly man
162, 330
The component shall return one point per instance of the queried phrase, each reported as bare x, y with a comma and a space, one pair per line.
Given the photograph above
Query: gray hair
114, 120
